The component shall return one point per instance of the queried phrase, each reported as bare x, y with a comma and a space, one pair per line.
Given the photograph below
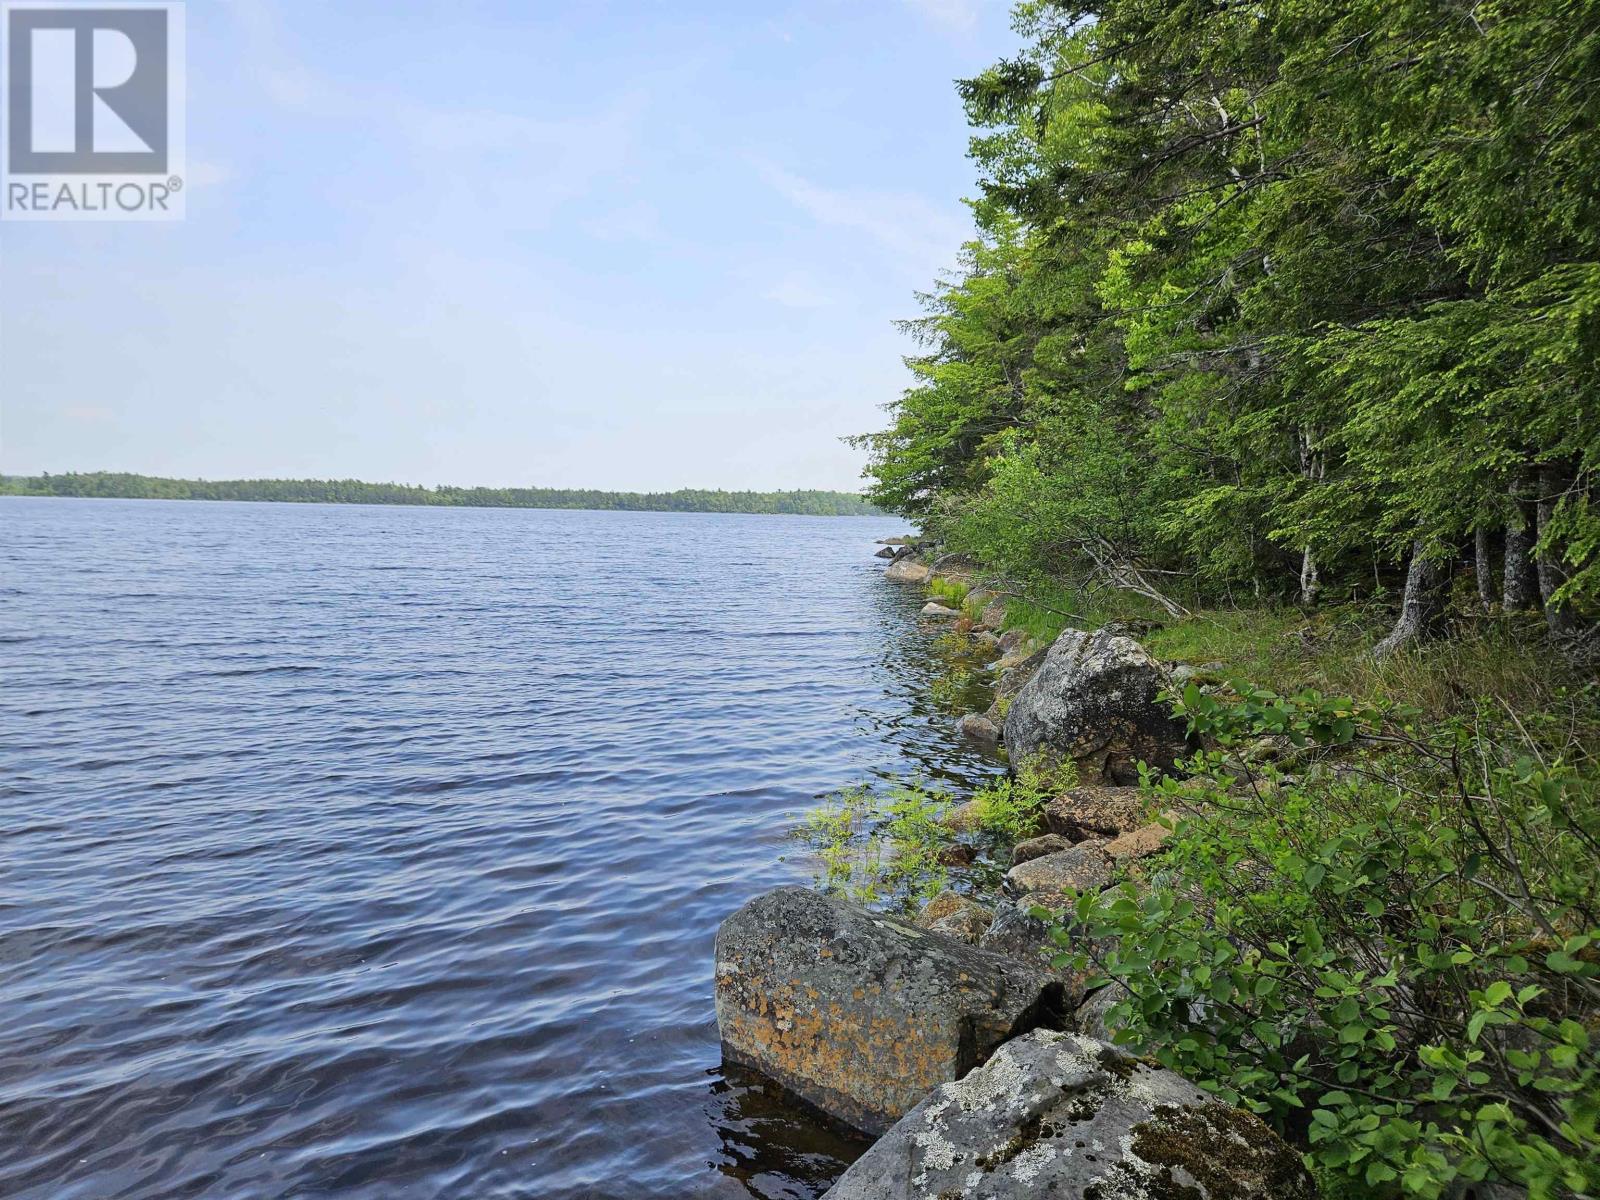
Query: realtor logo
93, 111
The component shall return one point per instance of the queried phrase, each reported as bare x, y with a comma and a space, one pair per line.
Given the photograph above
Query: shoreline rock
1064, 1115
908, 570
1093, 700
862, 1015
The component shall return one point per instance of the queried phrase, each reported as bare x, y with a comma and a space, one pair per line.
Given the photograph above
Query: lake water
377, 852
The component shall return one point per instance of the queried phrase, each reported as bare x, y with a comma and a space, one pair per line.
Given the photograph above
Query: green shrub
881, 847
891, 847
1393, 955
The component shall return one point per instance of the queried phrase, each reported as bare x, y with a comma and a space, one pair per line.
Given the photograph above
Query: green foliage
350, 491
881, 847
892, 846
1393, 954
1258, 287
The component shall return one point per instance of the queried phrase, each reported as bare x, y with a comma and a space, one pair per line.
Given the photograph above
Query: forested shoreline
1272, 373
117, 485
1274, 304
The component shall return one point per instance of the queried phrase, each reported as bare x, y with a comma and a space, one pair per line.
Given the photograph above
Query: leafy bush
1394, 954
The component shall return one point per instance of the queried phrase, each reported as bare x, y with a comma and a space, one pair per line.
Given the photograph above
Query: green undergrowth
1387, 944
1506, 659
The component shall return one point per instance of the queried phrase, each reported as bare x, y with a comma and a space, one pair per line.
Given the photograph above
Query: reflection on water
377, 853
773, 1145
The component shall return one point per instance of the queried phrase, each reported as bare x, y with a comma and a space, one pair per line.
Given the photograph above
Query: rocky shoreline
983, 1068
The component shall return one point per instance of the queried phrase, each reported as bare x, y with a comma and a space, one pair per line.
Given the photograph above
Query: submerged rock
978, 728
1094, 812
1093, 701
1069, 1117
859, 1014
908, 570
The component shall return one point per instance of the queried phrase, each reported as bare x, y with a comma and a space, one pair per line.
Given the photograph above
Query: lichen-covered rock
1017, 933
859, 1014
908, 570
1064, 1116
960, 568
979, 729
1139, 843
1011, 639
1086, 867
993, 616
953, 915
1011, 680
1093, 701
1094, 812
1092, 1015
1027, 851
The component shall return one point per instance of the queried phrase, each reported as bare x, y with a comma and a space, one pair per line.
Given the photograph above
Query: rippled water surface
377, 852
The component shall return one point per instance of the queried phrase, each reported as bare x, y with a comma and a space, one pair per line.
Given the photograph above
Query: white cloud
923, 235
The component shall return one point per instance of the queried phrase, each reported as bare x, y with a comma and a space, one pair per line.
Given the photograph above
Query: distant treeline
119, 485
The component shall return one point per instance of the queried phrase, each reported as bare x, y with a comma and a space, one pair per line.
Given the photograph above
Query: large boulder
862, 1015
1093, 701
908, 570
1068, 1117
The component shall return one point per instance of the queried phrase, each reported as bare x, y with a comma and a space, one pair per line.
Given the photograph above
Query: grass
1506, 658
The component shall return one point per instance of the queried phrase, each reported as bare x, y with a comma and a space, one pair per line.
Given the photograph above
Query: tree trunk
1520, 587
1422, 606
1553, 485
1483, 561
1314, 469
1310, 578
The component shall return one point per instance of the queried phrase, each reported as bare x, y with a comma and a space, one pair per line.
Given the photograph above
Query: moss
1028, 1135
1229, 1153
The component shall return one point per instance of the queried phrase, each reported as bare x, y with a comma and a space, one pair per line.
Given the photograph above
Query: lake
377, 852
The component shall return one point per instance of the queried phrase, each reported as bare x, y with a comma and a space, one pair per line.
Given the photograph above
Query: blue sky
623, 245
